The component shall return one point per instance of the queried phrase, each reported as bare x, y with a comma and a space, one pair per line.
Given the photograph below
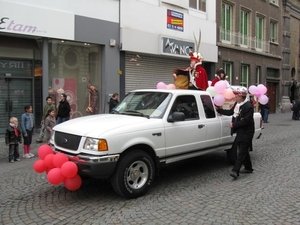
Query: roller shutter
146, 71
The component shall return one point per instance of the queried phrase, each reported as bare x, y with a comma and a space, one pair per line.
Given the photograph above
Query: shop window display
74, 69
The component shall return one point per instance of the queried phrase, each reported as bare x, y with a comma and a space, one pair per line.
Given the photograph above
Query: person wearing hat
196, 74
243, 125
220, 75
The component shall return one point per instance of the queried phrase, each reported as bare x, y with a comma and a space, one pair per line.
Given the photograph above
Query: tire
232, 153
133, 175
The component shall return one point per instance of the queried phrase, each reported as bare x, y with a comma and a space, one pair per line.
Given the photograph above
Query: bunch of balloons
58, 168
220, 92
259, 92
162, 85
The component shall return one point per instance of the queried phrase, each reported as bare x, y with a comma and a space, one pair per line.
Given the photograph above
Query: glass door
15, 94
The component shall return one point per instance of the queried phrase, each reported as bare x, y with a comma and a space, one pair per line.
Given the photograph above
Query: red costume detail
201, 79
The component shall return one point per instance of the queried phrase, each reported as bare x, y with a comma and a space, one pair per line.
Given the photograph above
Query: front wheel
134, 174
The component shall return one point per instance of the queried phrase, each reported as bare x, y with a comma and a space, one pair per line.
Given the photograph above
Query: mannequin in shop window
93, 98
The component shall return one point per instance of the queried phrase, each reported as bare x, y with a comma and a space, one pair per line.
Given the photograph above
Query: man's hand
230, 125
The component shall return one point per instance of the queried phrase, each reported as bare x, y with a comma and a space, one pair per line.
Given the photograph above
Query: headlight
95, 144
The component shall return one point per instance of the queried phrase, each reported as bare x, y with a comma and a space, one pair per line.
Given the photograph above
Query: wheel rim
137, 174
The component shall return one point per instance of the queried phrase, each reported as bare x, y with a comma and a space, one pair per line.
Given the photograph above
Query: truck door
187, 135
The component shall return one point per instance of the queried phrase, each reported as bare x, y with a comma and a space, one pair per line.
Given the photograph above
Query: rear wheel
134, 174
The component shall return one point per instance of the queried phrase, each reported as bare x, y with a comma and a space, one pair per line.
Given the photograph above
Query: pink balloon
161, 85
55, 176
261, 89
39, 166
263, 99
228, 94
171, 86
73, 183
69, 169
219, 99
220, 86
252, 89
257, 94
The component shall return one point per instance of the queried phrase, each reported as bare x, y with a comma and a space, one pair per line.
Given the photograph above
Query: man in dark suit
243, 125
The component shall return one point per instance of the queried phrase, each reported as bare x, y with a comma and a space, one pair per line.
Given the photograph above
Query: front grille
68, 141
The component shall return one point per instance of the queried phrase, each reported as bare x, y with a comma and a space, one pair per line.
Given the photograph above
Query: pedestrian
243, 126
27, 126
266, 109
49, 105
114, 101
295, 108
12, 139
50, 122
64, 109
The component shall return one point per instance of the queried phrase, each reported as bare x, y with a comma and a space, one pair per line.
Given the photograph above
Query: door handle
201, 126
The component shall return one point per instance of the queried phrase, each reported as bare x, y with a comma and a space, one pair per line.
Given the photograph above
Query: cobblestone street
197, 191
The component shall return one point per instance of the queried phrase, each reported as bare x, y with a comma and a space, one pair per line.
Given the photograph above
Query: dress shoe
246, 171
234, 174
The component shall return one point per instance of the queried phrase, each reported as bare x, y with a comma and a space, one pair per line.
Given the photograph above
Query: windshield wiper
132, 112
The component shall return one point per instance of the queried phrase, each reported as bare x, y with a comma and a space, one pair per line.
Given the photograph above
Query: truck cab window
208, 107
186, 104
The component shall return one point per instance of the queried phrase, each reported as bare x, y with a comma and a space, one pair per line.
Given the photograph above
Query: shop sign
30, 20
174, 20
177, 47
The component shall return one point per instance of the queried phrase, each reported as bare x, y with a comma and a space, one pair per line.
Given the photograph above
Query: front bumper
94, 166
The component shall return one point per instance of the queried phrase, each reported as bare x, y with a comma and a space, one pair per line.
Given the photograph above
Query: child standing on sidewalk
27, 125
50, 122
12, 139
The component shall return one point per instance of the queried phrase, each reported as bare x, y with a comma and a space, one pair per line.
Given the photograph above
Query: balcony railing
244, 41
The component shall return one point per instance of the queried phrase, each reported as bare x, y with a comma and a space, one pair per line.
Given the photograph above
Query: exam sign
175, 20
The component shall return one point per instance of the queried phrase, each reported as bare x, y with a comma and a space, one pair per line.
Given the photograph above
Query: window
208, 107
257, 78
228, 70
259, 32
226, 22
273, 31
198, 4
244, 75
244, 27
187, 105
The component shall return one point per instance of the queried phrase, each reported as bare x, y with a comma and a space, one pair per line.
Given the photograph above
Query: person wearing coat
64, 109
243, 125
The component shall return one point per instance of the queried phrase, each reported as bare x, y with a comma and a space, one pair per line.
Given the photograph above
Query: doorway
272, 87
15, 94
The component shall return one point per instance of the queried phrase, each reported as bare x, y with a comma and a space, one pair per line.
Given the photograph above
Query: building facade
249, 38
156, 37
50, 47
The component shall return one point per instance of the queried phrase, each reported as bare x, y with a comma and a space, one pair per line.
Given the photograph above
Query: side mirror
176, 116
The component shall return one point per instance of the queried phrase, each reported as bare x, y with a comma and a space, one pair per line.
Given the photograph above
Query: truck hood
97, 125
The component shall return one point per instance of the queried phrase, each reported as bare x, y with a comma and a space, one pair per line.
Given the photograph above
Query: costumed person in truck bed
243, 125
220, 75
195, 76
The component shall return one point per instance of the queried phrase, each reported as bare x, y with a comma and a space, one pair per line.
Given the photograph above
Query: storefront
54, 52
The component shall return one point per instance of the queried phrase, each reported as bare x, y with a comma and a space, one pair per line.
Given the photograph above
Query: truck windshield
148, 104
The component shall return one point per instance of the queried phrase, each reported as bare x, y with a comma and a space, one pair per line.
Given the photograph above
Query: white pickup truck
147, 129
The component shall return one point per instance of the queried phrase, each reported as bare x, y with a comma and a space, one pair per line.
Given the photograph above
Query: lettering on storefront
12, 65
177, 47
7, 24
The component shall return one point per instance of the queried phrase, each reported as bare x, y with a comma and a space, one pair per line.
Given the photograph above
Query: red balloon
39, 166
59, 159
73, 183
44, 150
49, 161
55, 176
69, 169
